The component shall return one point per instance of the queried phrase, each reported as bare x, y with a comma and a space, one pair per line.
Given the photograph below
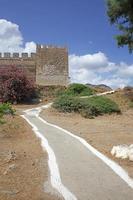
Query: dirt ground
103, 132
21, 107
23, 163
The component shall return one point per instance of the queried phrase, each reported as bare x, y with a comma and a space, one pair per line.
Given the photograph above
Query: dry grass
23, 163
120, 98
12, 126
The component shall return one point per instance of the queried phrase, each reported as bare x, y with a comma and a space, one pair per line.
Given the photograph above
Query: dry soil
23, 163
103, 132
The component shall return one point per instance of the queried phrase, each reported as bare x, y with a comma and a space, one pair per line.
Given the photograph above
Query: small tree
14, 85
120, 13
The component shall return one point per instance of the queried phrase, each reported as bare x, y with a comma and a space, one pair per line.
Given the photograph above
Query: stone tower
51, 65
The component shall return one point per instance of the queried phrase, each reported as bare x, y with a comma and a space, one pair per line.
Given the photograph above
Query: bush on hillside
66, 103
76, 89
14, 85
99, 105
5, 108
88, 107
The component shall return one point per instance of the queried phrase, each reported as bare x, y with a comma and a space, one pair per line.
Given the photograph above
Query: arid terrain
23, 163
103, 132
24, 172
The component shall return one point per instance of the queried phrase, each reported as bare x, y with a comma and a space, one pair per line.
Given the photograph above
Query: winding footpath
77, 170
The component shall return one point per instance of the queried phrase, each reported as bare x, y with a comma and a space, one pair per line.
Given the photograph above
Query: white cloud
89, 61
30, 47
91, 68
97, 69
115, 82
11, 39
125, 70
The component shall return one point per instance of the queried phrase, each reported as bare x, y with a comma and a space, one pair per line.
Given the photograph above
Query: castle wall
48, 66
25, 62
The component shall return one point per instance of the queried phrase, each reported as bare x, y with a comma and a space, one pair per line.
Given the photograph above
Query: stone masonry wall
48, 66
25, 62
52, 65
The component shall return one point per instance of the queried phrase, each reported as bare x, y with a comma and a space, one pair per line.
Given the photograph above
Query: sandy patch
23, 163
103, 132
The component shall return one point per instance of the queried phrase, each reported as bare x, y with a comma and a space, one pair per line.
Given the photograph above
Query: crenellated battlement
24, 55
48, 66
8, 55
39, 46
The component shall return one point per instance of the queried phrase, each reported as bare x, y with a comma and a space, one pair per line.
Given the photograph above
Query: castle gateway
48, 66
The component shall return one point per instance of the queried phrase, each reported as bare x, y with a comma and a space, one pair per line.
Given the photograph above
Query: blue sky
82, 25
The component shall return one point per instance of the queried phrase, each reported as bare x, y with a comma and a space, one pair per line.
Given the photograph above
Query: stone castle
48, 66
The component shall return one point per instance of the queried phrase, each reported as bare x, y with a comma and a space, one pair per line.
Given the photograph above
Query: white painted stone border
53, 166
114, 166
54, 170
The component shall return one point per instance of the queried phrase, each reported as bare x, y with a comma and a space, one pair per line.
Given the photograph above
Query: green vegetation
120, 13
88, 107
76, 89
101, 105
70, 100
5, 108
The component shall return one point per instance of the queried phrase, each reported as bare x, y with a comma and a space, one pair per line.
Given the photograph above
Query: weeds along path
77, 170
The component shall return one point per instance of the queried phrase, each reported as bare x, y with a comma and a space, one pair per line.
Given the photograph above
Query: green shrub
88, 107
6, 108
90, 112
103, 104
76, 89
66, 103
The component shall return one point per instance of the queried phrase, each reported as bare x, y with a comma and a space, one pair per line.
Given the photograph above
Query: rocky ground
103, 132
23, 163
